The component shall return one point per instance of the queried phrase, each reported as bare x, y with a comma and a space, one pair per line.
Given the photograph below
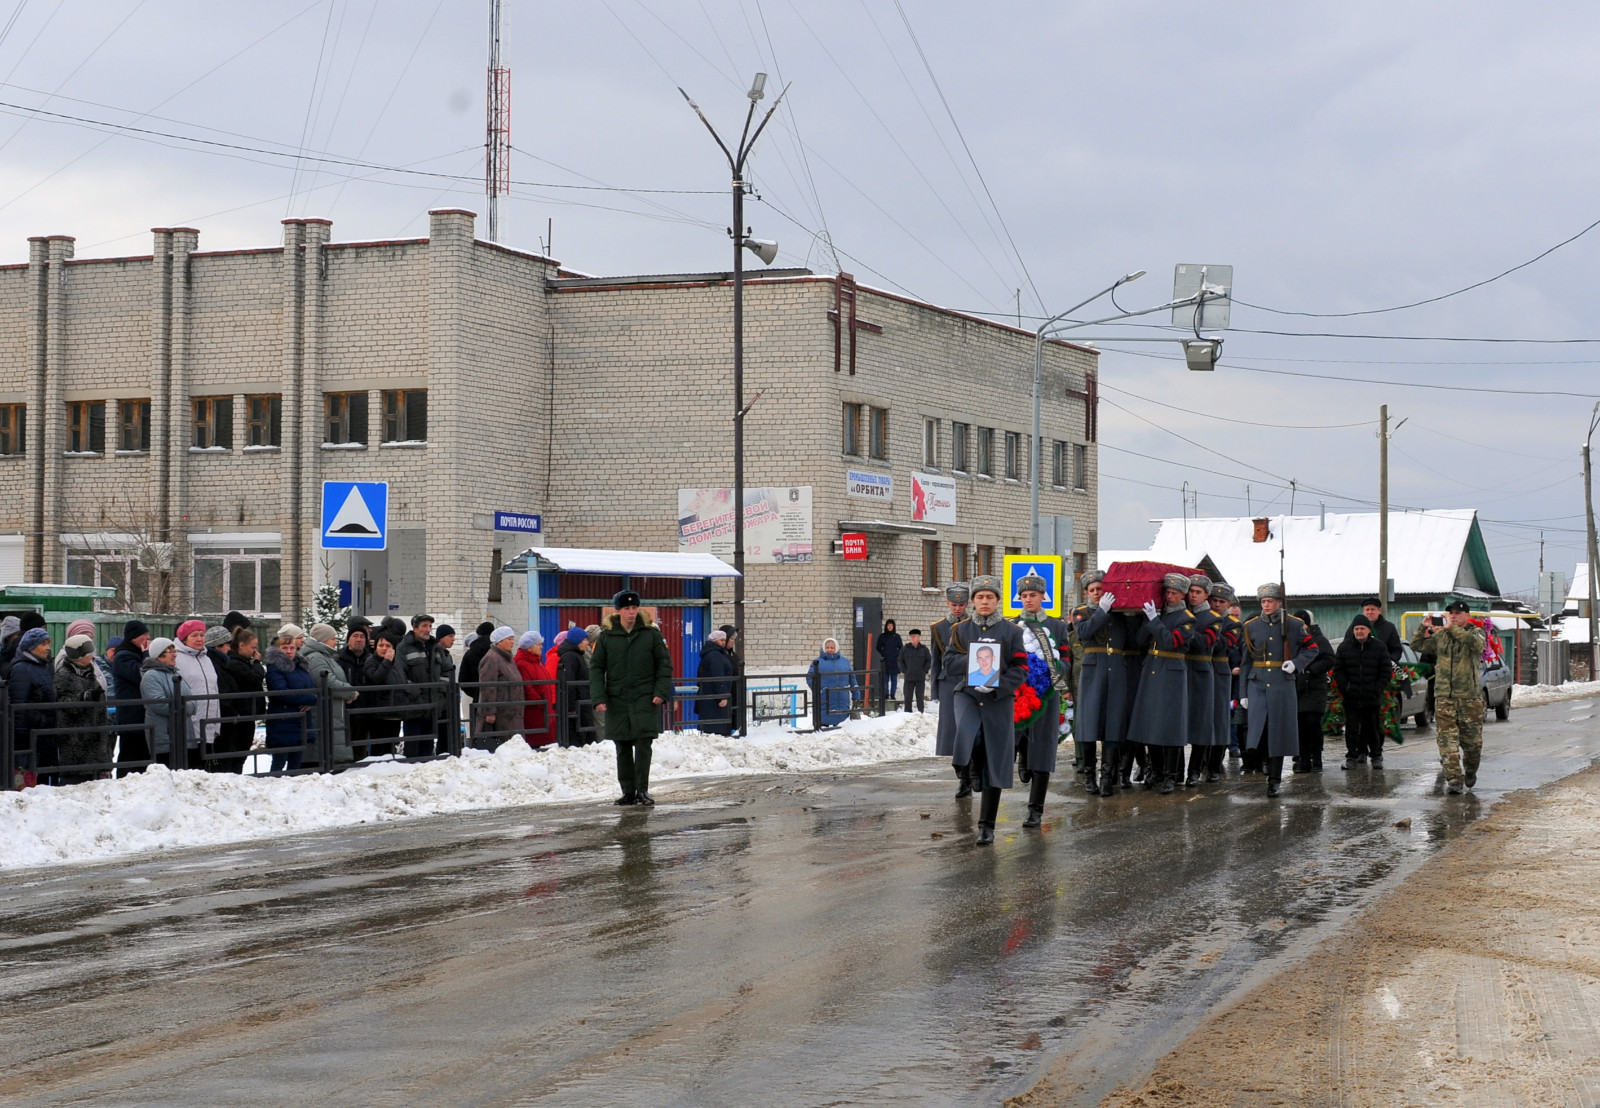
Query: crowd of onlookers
76, 713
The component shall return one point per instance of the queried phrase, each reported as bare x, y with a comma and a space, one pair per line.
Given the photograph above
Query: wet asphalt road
782, 941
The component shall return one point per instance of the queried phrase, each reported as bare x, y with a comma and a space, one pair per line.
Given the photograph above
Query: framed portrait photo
983, 665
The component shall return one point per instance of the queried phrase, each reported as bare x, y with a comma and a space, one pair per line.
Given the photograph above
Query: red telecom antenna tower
497, 142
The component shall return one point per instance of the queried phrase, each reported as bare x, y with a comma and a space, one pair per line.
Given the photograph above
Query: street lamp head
1134, 276
758, 87
1202, 354
765, 249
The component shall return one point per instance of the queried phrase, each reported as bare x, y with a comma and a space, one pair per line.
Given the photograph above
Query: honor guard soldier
1161, 706
1276, 644
1202, 681
1229, 628
1050, 638
1456, 648
1092, 629
944, 687
988, 663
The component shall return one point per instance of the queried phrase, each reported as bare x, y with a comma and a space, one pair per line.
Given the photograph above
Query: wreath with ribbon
1029, 703
1389, 721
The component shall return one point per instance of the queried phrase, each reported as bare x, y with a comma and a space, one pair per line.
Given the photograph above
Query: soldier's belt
1269, 665
1167, 654
1098, 650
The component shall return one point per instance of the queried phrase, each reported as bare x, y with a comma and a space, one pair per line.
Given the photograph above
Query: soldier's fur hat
1032, 583
1093, 577
1200, 581
957, 592
987, 582
1223, 592
1269, 591
1179, 581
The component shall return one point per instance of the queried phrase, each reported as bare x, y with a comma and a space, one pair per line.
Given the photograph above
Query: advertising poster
777, 523
866, 485
933, 498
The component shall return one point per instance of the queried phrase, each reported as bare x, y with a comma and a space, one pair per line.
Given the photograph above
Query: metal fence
281, 732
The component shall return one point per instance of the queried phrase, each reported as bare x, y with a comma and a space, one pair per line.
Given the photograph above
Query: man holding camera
1455, 647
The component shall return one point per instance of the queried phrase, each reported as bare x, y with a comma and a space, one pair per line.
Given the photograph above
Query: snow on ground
162, 810
1531, 696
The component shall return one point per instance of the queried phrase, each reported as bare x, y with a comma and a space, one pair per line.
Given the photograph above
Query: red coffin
1133, 583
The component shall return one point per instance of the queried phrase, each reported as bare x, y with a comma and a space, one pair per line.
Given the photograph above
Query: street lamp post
1594, 554
766, 251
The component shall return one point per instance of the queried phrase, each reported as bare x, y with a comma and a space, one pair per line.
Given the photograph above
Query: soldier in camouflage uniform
1456, 650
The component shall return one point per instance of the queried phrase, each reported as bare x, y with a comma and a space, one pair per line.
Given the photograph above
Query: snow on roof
641, 563
1338, 557
1579, 589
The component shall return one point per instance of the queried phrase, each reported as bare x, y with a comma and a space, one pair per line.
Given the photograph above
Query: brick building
166, 422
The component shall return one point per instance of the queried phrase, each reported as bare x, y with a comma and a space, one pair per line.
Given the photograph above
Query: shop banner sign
777, 523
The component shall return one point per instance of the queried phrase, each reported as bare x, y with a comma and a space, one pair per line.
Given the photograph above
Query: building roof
1430, 553
638, 563
1579, 589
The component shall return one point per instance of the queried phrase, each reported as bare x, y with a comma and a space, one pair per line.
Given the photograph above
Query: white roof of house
640, 563
1579, 589
1335, 556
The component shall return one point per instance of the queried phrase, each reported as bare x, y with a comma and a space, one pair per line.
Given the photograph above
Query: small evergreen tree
325, 608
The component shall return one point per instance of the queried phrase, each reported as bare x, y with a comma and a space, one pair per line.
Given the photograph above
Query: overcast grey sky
1340, 158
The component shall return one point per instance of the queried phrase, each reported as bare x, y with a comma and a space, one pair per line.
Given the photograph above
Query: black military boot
1126, 768
1091, 779
1037, 792
964, 775
1197, 759
1274, 776
988, 812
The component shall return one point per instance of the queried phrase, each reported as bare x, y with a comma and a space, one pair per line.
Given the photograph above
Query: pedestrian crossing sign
1018, 566
355, 515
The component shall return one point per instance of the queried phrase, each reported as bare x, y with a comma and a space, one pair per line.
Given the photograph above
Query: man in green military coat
630, 677
1455, 649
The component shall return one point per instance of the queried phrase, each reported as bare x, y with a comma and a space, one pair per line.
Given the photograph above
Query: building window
1080, 565
1080, 466
133, 425
850, 440
878, 433
960, 434
986, 451
347, 417
13, 428
86, 427
496, 560
1060, 467
112, 569
1013, 455
930, 564
213, 422
930, 444
1013, 550
985, 559
405, 415
266, 420
243, 579
958, 561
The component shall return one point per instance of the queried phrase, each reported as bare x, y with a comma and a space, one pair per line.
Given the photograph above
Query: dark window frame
930, 563
86, 427
13, 429
264, 419
878, 434
960, 446
850, 430
345, 417
133, 426
211, 418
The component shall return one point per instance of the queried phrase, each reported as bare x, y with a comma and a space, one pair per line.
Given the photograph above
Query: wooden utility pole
1594, 558
1383, 508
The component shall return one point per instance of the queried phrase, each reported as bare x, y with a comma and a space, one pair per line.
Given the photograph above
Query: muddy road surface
800, 940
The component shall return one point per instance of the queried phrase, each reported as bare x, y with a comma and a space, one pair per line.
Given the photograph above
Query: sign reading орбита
869, 486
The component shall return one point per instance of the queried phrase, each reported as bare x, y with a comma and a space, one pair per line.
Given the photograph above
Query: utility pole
1594, 556
497, 139
1383, 508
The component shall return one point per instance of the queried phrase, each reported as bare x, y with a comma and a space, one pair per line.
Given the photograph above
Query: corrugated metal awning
636, 563
884, 527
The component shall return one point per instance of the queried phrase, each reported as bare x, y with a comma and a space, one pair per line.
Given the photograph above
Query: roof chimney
1260, 533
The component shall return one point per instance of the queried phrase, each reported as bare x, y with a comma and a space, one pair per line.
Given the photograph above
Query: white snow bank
1531, 696
162, 810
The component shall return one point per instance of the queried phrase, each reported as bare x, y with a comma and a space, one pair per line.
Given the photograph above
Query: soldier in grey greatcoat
944, 687
1092, 712
1050, 638
1161, 706
1276, 644
1202, 682
985, 733
1229, 628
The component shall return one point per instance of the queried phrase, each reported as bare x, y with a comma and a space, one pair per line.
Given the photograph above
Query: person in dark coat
10, 632
915, 661
126, 671
473, 658
498, 712
956, 596
1311, 695
630, 678
713, 680
1386, 633
239, 670
426, 663
291, 695
1276, 645
833, 684
889, 648
1203, 644
88, 743
33, 681
1091, 635
1050, 639
990, 665
1363, 669
1161, 706
1224, 660
735, 645
572, 678
383, 679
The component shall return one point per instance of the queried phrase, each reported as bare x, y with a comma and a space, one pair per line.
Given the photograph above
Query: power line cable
1243, 422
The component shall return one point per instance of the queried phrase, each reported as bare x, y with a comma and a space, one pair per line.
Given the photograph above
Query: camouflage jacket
1455, 653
